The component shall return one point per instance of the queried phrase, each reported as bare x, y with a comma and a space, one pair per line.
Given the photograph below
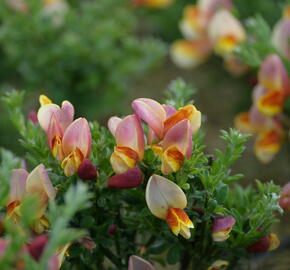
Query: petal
187, 112
273, 75
43, 100
54, 130
162, 194
179, 222
113, 123
137, 263
37, 246
17, 185
281, 36
266, 243
129, 133
151, 112
243, 123
77, 135
72, 162
45, 113
222, 227
172, 160
67, 114
267, 145
123, 158
190, 26
170, 110
180, 136
271, 103
189, 54
38, 182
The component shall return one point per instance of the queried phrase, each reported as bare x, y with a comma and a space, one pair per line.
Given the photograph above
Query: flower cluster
265, 116
69, 140
208, 26
169, 135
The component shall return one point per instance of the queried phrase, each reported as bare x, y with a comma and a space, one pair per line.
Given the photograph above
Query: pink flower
285, 197
222, 227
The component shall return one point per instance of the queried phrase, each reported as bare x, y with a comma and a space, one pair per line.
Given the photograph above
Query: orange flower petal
72, 162
179, 222
271, 103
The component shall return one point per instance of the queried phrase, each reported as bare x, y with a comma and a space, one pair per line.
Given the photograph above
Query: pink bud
32, 116
129, 179
285, 197
87, 243
37, 246
222, 227
266, 243
112, 229
87, 170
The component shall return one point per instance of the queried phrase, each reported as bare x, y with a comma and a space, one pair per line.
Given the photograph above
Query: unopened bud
129, 179
87, 170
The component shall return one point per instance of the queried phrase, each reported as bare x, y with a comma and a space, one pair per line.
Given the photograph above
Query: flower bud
285, 197
32, 116
87, 243
87, 170
222, 227
112, 229
267, 243
37, 246
129, 179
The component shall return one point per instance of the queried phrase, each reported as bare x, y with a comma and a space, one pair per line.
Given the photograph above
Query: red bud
37, 246
112, 229
129, 179
266, 243
87, 170
32, 116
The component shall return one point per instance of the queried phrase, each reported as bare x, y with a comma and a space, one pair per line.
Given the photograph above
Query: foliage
80, 53
206, 179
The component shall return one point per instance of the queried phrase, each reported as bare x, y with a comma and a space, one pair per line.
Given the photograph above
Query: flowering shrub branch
157, 195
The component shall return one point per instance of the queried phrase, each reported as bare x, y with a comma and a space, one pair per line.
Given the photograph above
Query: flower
166, 201
170, 131
129, 136
226, 32
266, 243
285, 197
137, 263
23, 184
218, 265
69, 141
221, 228
188, 54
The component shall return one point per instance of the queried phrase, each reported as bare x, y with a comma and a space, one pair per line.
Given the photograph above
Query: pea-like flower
221, 228
264, 118
170, 131
285, 197
226, 32
166, 201
69, 141
129, 136
37, 184
266, 243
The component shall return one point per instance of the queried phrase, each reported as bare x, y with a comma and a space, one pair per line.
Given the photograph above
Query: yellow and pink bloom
37, 184
166, 201
129, 136
219, 265
222, 227
266, 243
